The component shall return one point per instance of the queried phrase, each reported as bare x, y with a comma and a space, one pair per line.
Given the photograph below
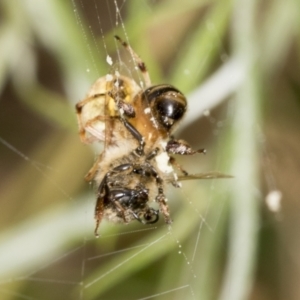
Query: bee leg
181, 147
152, 154
121, 209
128, 111
128, 168
161, 198
135, 133
163, 206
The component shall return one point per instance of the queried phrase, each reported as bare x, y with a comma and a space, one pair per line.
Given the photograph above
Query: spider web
48, 250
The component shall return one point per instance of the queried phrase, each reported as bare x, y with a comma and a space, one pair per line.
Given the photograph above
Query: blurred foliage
51, 52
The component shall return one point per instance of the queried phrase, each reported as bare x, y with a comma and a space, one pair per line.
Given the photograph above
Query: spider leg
89, 124
140, 64
92, 171
86, 100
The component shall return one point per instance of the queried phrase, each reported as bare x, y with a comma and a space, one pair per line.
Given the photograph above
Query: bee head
167, 104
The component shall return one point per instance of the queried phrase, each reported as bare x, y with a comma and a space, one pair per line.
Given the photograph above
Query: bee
136, 126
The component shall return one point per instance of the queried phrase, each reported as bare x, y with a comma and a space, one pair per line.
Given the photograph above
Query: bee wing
208, 175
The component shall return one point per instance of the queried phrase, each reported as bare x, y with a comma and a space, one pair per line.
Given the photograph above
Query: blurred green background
226, 241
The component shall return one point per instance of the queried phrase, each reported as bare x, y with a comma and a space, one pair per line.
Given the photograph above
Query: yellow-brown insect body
99, 106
